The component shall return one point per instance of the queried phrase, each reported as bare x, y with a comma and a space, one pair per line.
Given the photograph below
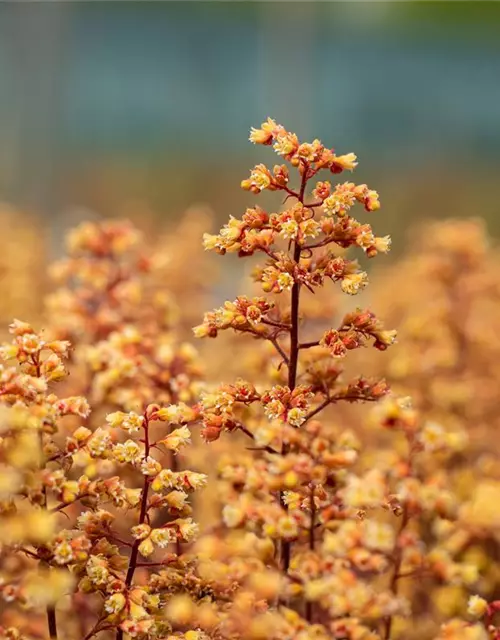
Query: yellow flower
287, 528
477, 606
352, 283
296, 417
378, 536
180, 609
177, 439
115, 603
263, 135
146, 547
233, 515
163, 537
346, 162
383, 244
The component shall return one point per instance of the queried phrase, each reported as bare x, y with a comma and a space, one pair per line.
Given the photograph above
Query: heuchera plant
336, 559
301, 245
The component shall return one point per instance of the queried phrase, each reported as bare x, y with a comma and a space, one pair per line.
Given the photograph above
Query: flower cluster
39, 458
447, 313
290, 491
31, 472
324, 221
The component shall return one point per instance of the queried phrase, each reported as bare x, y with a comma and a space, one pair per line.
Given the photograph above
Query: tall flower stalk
305, 245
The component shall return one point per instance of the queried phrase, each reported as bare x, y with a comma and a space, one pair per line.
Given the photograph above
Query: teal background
108, 105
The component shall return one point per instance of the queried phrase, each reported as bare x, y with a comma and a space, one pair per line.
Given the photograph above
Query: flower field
315, 458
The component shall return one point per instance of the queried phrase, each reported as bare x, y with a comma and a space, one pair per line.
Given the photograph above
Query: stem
119, 540
294, 331
51, 610
270, 253
63, 505
142, 517
290, 192
275, 343
319, 408
396, 574
174, 466
292, 378
52, 622
312, 525
96, 629
313, 519
30, 553
322, 243
154, 564
273, 323
248, 433
293, 358
308, 345
135, 549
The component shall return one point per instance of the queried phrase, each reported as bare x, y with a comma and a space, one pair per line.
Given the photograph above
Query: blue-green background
104, 105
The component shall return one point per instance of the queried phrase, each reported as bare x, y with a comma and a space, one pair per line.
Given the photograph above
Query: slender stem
154, 564
52, 622
319, 408
273, 323
119, 540
294, 331
312, 525
292, 381
277, 346
63, 505
308, 345
290, 192
313, 520
248, 433
333, 400
270, 253
135, 549
132, 565
30, 553
293, 358
303, 182
322, 243
411, 574
397, 571
51, 610
174, 466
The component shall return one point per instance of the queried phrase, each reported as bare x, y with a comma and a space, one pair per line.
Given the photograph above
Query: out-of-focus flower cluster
43, 562
447, 312
22, 266
104, 282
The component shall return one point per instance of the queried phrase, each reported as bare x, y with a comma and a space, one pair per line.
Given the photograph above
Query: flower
115, 603
265, 134
477, 606
130, 422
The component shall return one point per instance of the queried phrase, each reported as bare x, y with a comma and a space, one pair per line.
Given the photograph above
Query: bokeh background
115, 109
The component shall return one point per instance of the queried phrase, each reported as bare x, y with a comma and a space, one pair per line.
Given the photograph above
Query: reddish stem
293, 358
312, 525
397, 570
132, 565
308, 345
